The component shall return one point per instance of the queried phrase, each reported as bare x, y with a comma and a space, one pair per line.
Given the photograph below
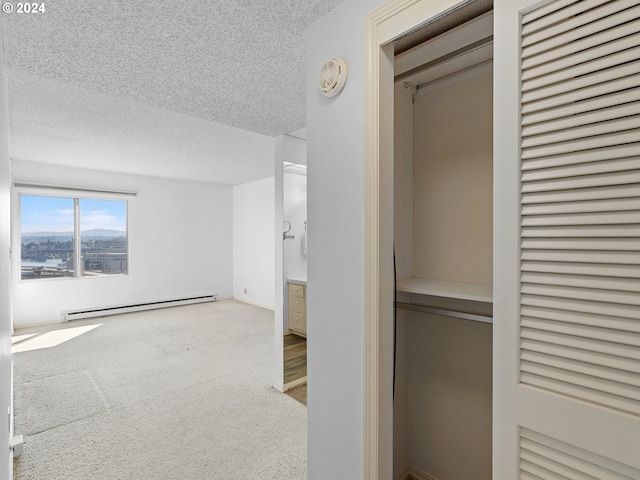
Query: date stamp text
32, 7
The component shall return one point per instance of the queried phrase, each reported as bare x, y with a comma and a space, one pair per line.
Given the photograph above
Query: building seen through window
72, 237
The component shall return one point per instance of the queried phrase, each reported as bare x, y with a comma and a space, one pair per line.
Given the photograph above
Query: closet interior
443, 242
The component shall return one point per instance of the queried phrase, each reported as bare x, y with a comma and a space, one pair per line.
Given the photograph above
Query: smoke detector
333, 76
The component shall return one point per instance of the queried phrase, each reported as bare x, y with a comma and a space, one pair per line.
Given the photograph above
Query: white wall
253, 242
180, 245
335, 262
6, 388
335, 326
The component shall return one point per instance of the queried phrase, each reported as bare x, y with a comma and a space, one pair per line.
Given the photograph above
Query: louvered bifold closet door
580, 194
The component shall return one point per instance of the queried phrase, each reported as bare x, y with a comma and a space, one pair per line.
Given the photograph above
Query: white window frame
76, 194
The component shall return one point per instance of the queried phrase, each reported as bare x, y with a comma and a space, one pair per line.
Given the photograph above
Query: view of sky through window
54, 214
46, 214
48, 247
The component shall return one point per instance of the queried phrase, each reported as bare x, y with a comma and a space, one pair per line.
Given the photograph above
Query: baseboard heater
114, 310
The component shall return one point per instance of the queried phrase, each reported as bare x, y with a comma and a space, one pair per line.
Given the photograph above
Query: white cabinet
297, 313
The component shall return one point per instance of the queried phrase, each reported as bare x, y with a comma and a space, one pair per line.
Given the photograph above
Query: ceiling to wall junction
172, 88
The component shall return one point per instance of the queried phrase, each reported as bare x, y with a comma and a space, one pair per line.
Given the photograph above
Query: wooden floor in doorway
295, 365
299, 393
295, 357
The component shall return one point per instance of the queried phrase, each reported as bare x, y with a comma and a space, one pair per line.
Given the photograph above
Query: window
72, 237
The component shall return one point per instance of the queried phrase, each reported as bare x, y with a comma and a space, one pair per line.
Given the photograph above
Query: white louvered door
567, 240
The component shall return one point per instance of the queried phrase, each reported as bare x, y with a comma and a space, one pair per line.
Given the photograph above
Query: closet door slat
611, 257
529, 476
545, 10
614, 188
589, 49
601, 321
582, 293
596, 81
617, 124
580, 231
585, 181
585, 268
586, 111
538, 451
574, 94
591, 347
616, 375
570, 17
582, 219
578, 459
556, 469
569, 70
573, 377
612, 152
614, 205
605, 244
573, 386
571, 280
581, 306
577, 170
579, 330
571, 121
561, 44
579, 355
579, 144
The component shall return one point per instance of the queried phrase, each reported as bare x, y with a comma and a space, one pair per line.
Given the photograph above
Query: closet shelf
478, 292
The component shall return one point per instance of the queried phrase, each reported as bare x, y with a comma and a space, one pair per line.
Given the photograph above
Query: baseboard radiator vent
114, 310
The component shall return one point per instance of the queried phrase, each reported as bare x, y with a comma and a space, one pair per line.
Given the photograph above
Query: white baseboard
295, 383
403, 475
411, 473
278, 386
255, 304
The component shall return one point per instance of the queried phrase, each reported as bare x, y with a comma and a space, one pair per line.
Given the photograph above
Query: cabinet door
297, 322
567, 233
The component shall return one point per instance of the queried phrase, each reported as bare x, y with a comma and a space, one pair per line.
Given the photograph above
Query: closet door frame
382, 27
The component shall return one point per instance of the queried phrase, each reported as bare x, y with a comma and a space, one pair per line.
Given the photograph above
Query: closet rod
446, 313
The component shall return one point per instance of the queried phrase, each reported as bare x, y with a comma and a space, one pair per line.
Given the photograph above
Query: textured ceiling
172, 88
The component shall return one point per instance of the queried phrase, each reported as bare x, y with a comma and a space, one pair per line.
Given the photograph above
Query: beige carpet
179, 393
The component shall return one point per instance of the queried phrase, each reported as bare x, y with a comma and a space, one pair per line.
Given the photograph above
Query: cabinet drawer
296, 290
297, 305
297, 322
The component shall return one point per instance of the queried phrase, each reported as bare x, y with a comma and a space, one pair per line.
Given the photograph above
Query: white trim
19, 189
416, 474
278, 386
412, 473
381, 27
403, 475
69, 190
255, 304
296, 383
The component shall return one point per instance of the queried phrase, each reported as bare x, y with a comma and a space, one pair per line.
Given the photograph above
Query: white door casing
385, 24
566, 240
